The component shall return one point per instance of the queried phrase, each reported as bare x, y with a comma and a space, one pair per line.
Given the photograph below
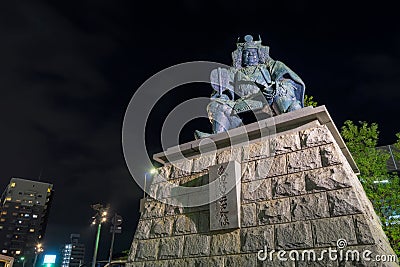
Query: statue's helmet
263, 51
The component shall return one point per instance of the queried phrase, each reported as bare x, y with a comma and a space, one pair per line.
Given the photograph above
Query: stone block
273, 211
161, 227
327, 232
363, 231
249, 215
204, 161
135, 264
229, 155
181, 168
288, 185
330, 155
271, 166
197, 245
256, 238
258, 190
196, 262
143, 229
303, 160
216, 261
153, 209
147, 249
225, 243
343, 202
307, 207
132, 251
185, 224
315, 137
172, 210
171, 248
257, 150
156, 264
293, 235
246, 260
248, 171
285, 143
324, 179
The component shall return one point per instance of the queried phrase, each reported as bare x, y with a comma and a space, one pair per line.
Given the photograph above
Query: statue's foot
199, 135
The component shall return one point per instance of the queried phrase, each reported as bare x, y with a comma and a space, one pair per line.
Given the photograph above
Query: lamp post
99, 218
38, 250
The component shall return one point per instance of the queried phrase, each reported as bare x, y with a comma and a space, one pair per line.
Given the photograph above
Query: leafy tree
309, 101
381, 187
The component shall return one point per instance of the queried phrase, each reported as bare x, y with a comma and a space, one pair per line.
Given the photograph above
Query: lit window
4, 251
34, 216
18, 252
16, 237
40, 236
30, 201
1, 227
13, 184
31, 230
2, 220
26, 215
16, 207
8, 198
19, 221
4, 212
48, 190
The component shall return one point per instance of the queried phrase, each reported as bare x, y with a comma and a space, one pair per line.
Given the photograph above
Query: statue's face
250, 57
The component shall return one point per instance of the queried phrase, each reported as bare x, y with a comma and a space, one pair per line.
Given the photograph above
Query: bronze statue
255, 82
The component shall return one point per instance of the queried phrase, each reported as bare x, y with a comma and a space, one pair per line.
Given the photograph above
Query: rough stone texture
153, 209
197, 245
327, 232
143, 229
326, 179
258, 190
248, 171
271, 166
256, 238
343, 202
147, 249
172, 210
304, 160
195, 262
225, 243
274, 211
181, 168
309, 207
329, 155
293, 235
288, 185
245, 260
285, 143
161, 227
315, 137
185, 224
363, 231
202, 163
230, 155
171, 248
249, 215
256, 150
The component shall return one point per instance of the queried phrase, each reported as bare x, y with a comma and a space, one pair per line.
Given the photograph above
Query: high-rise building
73, 254
25, 206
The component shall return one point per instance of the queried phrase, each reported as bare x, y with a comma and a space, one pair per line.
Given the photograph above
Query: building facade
25, 206
73, 254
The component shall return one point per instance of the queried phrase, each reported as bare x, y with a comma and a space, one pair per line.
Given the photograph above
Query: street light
38, 250
99, 218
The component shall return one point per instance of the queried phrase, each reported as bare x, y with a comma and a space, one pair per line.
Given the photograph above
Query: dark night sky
68, 70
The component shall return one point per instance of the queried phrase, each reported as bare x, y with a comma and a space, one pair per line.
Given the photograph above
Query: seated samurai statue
254, 83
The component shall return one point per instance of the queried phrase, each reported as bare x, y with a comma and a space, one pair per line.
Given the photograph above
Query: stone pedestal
303, 199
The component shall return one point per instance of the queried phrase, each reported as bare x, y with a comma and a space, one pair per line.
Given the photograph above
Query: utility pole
116, 221
99, 218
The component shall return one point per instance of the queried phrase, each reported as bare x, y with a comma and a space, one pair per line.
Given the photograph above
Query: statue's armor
255, 85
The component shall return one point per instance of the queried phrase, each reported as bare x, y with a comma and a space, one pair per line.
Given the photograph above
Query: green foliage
309, 101
362, 140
